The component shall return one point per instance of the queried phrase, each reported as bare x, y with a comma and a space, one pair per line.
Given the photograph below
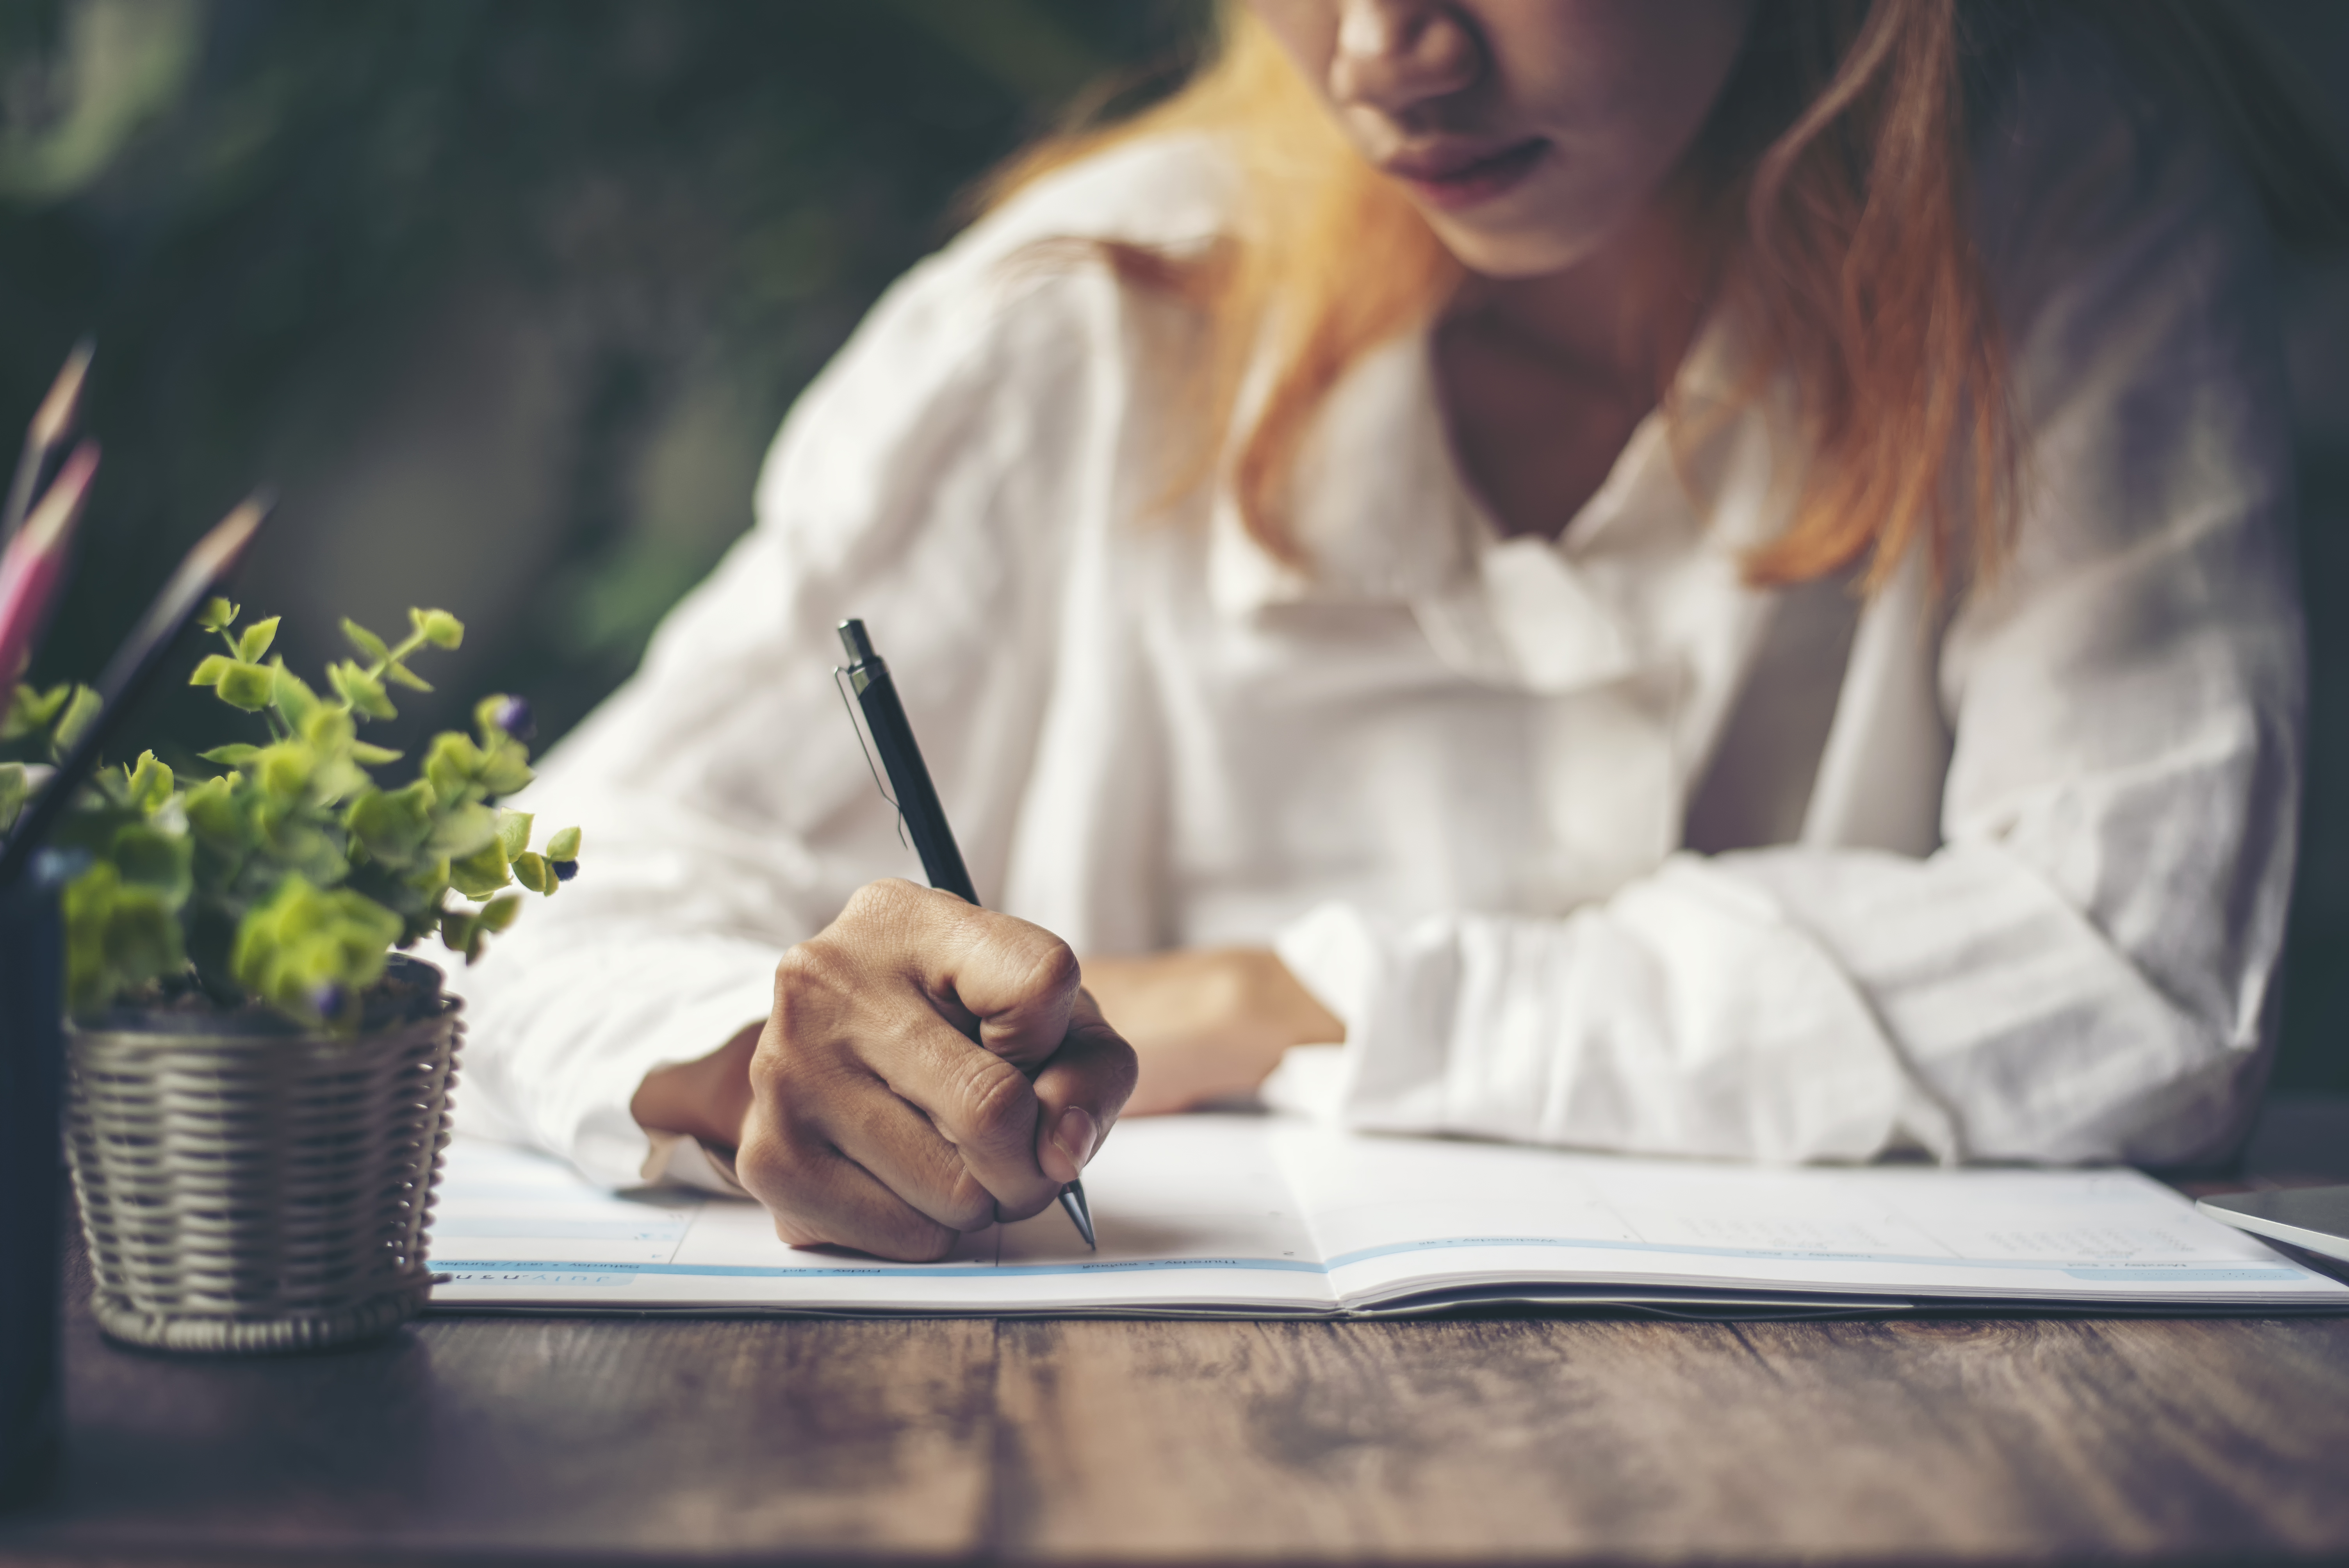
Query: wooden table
566, 1439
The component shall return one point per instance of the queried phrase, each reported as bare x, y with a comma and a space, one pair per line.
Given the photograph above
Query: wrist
706, 1099
1285, 1012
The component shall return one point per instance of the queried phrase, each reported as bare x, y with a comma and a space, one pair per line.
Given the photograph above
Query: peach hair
1833, 180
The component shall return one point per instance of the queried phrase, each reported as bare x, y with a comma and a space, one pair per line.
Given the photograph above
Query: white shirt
2002, 879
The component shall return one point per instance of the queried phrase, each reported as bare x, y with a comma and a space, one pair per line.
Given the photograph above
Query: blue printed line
2126, 1272
884, 1271
2163, 1276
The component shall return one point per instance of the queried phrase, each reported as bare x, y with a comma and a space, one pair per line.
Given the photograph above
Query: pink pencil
53, 421
34, 565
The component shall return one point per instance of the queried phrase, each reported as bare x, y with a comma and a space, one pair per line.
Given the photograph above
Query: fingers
865, 1061
1080, 1093
1014, 981
901, 1148
981, 1105
878, 1124
818, 1195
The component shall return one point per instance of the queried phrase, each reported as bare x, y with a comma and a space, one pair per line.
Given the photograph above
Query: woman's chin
1496, 252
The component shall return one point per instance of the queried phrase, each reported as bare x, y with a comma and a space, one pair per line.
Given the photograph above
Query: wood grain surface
559, 1440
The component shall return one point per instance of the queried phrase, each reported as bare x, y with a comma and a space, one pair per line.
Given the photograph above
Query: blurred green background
508, 298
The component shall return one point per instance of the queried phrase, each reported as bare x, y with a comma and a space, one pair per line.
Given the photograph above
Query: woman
1683, 575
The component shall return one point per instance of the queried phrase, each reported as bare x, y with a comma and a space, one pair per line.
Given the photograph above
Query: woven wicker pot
257, 1188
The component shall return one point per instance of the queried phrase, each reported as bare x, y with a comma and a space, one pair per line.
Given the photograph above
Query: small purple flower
327, 999
564, 869
513, 717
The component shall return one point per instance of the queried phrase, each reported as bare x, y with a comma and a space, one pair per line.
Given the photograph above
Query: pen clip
864, 744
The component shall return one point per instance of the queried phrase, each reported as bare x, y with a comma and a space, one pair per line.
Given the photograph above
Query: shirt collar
1383, 516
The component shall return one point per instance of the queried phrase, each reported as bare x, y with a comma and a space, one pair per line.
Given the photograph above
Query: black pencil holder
32, 1056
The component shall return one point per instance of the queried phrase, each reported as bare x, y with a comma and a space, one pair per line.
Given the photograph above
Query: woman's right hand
928, 1068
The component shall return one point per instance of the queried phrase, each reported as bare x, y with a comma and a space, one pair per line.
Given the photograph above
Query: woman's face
1528, 132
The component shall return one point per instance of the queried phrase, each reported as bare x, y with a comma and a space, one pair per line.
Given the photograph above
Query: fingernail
1072, 1135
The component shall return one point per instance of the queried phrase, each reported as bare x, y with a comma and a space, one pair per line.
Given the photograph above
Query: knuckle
1121, 1067
890, 901
922, 1241
815, 986
968, 1205
814, 968
769, 1164
781, 1184
998, 1104
1053, 971
794, 1232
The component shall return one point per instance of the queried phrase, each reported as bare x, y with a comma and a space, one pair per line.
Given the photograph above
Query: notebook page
1394, 1217
1189, 1212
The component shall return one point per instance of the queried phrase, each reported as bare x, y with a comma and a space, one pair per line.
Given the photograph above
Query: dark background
507, 299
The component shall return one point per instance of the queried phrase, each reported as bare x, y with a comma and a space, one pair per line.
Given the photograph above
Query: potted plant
257, 1074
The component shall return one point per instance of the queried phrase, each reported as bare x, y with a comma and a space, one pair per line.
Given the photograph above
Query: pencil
53, 421
129, 672
34, 563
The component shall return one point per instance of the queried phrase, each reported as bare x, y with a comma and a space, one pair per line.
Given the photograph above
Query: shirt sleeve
726, 806
2084, 969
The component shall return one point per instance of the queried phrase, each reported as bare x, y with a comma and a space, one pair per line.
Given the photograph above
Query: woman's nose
1393, 56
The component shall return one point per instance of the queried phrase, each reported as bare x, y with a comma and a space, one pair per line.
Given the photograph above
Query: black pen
926, 819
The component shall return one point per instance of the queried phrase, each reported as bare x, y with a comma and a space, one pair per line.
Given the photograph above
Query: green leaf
331, 730
254, 640
506, 771
249, 687
295, 699
457, 928
236, 756
563, 846
283, 770
453, 763
214, 813
370, 647
118, 936
513, 832
15, 788
498, 913
210, 669
481, 873
392, 825
80, 711
430, 879
150, 784
217, 615
306, 942
155, 861
465, 830
441, 629
530, 870
31, 712
373, 756
300, 845
400, 674
361, 690
338, 779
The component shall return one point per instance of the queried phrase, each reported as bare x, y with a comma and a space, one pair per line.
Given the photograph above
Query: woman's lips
1462, 177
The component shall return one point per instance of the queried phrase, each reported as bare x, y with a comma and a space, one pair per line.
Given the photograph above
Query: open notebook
1264, 1216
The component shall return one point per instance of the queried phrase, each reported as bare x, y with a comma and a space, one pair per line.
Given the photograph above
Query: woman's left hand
1205, 1024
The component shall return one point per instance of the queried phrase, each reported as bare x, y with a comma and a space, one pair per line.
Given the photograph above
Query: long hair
1833, 187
